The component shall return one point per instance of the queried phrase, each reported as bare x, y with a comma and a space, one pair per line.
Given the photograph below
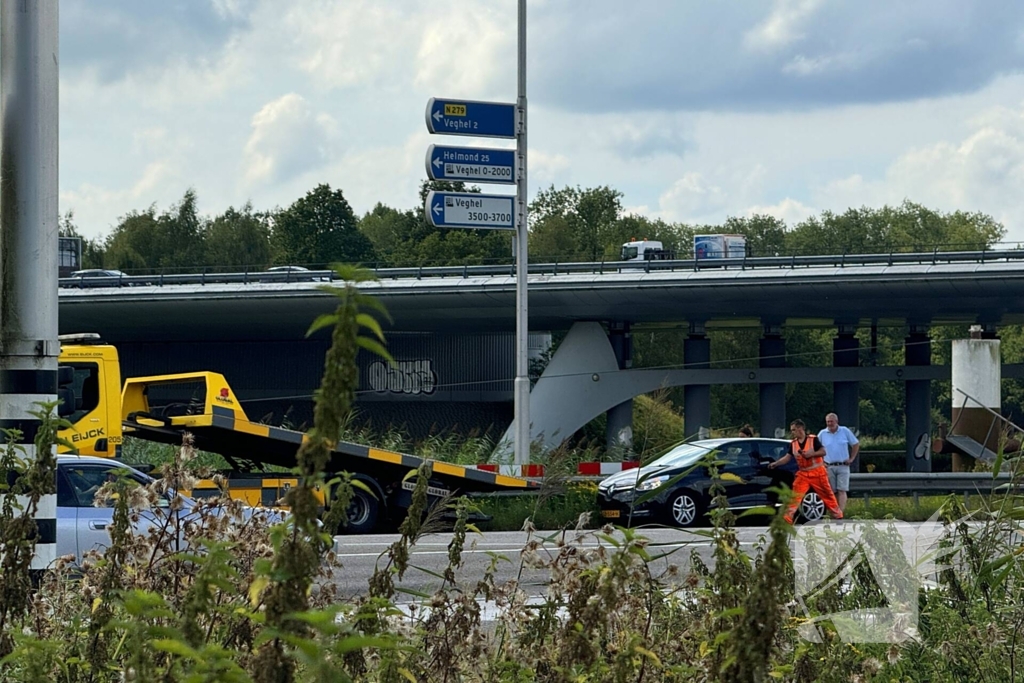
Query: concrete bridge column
918, 351
846, 395
772, 350
696, 397
619, 432
976, 390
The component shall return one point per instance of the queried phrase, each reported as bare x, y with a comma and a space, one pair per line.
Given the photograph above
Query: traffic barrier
592, 267
585, 469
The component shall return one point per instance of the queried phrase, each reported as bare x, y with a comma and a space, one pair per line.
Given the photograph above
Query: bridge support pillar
696, 397
846, 395
619, 432
772, 350
976, 394
918, 351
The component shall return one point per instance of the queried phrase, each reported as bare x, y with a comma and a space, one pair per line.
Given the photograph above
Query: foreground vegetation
220, 595
628, 610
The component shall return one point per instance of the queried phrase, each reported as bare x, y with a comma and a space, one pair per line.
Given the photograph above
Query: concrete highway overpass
919, 293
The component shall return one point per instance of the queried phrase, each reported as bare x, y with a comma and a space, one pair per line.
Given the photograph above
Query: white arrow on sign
438, 116
437, 163
438, 209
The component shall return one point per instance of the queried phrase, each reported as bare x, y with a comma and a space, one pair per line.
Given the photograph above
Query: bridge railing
590, 267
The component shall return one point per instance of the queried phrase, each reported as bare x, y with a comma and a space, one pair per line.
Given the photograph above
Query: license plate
431, 490
610, 514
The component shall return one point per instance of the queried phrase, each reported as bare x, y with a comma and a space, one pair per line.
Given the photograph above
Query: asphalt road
359, 556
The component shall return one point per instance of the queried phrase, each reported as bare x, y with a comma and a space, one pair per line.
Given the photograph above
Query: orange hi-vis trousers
815, 479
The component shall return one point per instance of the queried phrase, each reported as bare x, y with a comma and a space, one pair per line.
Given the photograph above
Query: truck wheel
362, 513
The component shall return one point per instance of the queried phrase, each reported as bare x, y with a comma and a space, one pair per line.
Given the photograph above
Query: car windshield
685, 455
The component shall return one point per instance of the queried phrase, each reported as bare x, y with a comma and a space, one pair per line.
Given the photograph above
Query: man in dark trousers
811, 473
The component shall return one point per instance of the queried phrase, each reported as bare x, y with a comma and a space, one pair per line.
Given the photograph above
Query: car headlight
652, 483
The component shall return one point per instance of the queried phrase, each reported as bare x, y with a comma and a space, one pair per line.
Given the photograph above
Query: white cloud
789, 210
691, 198
801, 65
231, 9
91, 202
983, 171
287, 139
546, 167
646, 135
783, 26
467, 52
345, 44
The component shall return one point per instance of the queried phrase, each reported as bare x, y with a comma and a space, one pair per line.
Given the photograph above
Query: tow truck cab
96, 387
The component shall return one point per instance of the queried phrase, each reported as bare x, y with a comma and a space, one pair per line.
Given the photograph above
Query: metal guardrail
929, 483
596, 267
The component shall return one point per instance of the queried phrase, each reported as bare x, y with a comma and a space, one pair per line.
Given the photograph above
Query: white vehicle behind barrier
645, 250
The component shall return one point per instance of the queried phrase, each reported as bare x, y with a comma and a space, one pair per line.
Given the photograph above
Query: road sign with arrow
471, 210
471, 164
468, 117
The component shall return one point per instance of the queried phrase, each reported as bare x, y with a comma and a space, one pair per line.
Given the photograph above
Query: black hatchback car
686, 501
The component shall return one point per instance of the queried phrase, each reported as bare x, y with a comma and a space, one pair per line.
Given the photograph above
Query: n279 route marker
471, 210
469, 117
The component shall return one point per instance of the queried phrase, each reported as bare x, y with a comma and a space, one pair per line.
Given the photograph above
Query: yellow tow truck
163, 408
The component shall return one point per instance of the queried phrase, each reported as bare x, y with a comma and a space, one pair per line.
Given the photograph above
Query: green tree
135, 243
586, 218
66, 226
147, 242
92, 250
766, 235
238, 238
406, 238
319, 229
390, 230
907, 227
182, 234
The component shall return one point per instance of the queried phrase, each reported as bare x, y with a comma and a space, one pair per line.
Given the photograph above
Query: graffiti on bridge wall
412, 377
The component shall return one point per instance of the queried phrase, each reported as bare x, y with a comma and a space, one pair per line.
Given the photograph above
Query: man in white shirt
841, 448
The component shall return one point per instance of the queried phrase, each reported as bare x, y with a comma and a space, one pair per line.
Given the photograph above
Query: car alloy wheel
684, 509
812, 508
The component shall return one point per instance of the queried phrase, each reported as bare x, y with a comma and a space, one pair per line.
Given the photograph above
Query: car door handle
96, 525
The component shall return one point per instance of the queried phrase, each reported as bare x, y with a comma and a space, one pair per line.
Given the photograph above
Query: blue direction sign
470, 210
466, 117
472, 164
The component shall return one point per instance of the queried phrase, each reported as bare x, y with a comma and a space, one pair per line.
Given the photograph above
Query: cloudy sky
694, 110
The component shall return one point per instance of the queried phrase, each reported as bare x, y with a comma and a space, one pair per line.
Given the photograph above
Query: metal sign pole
522, 382
28, 235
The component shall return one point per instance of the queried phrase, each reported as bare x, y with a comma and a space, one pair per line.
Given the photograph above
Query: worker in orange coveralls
811, 474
